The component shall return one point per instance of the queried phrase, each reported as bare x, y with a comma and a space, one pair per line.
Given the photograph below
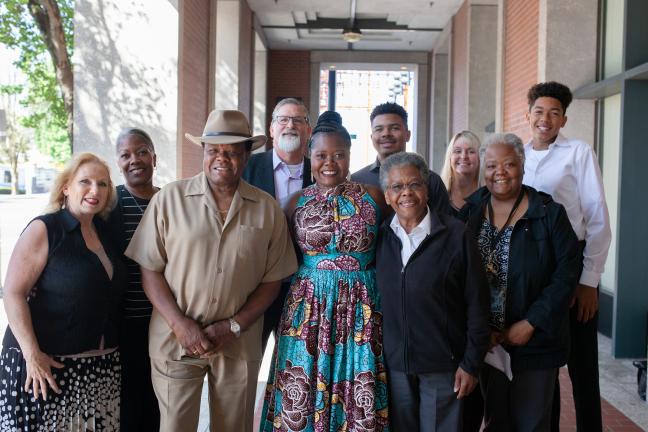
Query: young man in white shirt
569, 171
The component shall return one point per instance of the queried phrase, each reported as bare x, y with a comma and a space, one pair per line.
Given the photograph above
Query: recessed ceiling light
403, 67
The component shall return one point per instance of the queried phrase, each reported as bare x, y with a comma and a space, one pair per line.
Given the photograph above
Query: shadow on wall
122, 78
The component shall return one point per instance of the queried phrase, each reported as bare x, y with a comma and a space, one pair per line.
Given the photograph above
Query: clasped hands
205, 341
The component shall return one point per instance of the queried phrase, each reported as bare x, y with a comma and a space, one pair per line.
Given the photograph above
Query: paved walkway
623, 411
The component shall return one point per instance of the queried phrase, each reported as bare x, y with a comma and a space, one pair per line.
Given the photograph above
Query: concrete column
260, 83
422, 128
567, 53
126, 77
473, 64
439, 110
228, 26
482, 68
246, 61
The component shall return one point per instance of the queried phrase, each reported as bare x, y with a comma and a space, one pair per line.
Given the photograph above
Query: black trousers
272, 315
584, 375
139, 411
521, 405
424, 402
473, 411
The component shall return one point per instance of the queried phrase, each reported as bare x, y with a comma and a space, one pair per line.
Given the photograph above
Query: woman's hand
39, 374
519, 333
496, 338
464, 383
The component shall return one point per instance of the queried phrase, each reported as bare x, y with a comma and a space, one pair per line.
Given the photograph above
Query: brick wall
288, 76
520, 69
459, 98
194, 82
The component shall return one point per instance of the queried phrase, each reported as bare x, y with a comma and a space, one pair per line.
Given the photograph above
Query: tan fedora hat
227, 127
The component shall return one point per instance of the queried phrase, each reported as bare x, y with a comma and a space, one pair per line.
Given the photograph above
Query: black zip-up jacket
543, 270
435, 310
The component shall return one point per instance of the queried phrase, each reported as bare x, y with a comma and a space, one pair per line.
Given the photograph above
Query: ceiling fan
352, 27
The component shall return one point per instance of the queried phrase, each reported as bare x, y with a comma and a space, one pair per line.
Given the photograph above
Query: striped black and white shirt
126, 217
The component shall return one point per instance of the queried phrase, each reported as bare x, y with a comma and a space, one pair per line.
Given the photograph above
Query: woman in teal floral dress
328, 372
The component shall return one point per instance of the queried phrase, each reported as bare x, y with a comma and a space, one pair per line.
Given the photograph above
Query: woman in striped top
136, 160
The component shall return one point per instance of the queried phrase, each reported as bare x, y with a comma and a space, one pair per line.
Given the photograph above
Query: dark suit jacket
259, 172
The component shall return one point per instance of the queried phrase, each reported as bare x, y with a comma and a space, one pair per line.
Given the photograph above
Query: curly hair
389, 108
550, 89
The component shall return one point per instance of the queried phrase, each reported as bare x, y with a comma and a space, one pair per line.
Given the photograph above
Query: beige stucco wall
126, 74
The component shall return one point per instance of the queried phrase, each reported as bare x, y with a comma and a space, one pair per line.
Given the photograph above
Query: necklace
490, 266
134, 200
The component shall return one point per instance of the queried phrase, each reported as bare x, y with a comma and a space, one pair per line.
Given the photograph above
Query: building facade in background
205, 54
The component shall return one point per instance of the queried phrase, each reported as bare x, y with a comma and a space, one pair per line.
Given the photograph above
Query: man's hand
519, 333
219, 335
464, 383
586, 299
191, 337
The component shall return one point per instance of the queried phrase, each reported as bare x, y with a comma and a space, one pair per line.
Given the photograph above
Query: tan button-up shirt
211, 267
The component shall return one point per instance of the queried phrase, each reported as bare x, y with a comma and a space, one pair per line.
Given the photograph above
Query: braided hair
330, 122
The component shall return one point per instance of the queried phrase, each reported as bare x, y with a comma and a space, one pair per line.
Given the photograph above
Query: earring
64, 202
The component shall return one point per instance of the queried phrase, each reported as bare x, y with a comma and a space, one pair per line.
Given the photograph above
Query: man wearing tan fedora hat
213, 251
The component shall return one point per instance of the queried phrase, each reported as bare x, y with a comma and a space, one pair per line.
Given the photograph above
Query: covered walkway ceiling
394, 25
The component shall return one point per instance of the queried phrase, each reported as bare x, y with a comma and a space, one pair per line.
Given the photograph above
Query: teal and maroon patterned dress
328, 372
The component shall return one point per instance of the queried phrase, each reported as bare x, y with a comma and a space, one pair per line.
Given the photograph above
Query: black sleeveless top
74, 303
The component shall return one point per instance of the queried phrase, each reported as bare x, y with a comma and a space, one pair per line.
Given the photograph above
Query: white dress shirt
570, 173
286, 183
412, 240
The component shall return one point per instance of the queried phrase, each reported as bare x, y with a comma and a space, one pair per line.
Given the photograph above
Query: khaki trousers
232, 389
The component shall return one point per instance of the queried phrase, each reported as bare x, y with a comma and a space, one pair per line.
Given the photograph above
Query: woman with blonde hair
460, 172
59, 367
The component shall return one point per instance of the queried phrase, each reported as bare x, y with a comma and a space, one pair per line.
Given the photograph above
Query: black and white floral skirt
89, 399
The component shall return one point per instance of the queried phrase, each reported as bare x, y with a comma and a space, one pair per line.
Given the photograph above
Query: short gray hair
403, 159
509, 139
290, 101
132, 131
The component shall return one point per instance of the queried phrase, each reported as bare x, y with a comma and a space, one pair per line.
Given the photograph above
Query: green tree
13, 143
42, 32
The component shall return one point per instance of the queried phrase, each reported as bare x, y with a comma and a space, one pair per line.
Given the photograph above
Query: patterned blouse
495, 259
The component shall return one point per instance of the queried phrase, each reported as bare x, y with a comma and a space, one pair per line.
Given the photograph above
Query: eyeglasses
414, 187
297, 121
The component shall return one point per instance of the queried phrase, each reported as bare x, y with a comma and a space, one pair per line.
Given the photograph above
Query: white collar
424, 227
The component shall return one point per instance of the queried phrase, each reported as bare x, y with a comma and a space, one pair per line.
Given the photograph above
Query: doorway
353, 90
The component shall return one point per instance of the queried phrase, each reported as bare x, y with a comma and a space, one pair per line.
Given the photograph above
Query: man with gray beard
282, 171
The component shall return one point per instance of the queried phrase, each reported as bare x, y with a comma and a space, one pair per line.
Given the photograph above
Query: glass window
609, 154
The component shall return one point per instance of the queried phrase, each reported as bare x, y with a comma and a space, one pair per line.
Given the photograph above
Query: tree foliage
14, 146
23, 27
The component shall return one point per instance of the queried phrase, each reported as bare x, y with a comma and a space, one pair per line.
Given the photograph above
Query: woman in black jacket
435, 303
530, 254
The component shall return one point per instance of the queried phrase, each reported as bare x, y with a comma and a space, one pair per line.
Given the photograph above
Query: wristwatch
235, 327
